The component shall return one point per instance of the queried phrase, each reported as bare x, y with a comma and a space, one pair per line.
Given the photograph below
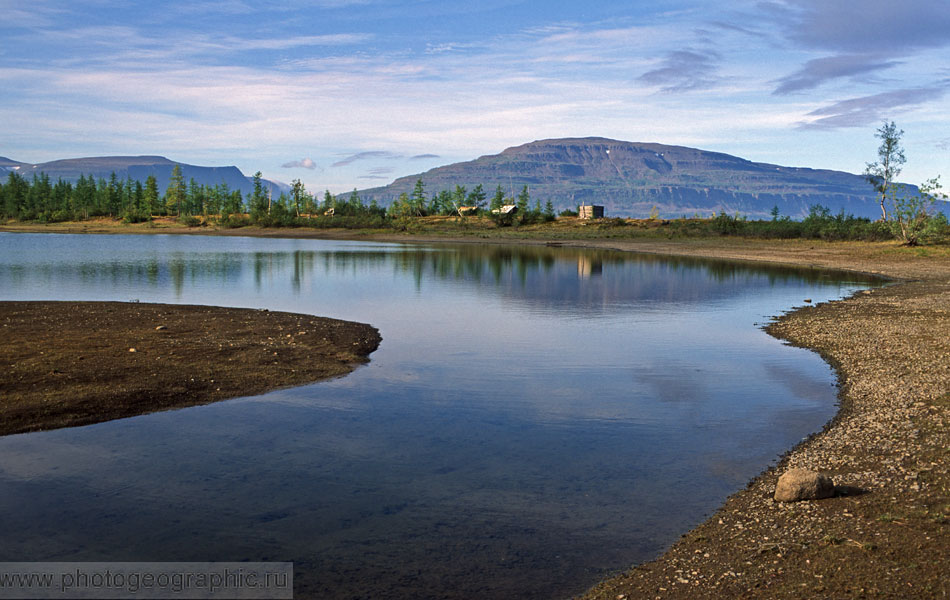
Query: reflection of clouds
41, 455
671, 381
802, 384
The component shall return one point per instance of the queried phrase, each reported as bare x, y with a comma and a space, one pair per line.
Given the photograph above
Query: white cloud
868, 110
305, 163
140, 89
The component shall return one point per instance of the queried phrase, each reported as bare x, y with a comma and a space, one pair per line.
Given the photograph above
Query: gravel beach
886, 533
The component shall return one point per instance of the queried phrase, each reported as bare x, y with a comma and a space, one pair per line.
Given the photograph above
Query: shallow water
534, 419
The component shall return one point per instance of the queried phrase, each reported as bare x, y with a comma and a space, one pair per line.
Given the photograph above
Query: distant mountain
138, 168
629, 179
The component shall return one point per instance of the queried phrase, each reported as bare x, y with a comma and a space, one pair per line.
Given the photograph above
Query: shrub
61, 215
190, 221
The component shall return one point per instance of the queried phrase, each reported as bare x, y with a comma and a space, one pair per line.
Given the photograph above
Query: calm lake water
534, 419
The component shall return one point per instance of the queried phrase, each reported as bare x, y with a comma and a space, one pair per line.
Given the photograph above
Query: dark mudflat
75, 363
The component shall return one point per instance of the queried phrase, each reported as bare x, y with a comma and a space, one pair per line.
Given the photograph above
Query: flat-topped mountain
138, 168
629, 179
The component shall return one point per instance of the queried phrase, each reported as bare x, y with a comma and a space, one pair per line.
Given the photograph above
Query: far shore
887, 532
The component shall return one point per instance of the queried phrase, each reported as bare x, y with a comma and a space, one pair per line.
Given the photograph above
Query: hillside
136, 167
629, 179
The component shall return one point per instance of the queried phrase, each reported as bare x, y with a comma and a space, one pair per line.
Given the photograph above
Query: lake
535, 418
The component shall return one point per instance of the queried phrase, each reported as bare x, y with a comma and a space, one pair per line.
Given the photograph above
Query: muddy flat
75, 363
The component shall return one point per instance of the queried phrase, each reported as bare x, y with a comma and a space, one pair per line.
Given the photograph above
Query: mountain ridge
138, 168
631, 178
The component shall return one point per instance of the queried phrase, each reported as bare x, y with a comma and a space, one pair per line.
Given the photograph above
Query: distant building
508, 209
591, 212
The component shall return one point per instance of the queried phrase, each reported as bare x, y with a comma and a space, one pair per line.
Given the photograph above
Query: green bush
190, 221
726, 225
58, 216
136, 217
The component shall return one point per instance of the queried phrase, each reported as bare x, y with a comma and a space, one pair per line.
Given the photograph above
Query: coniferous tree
151, 195
498, 200
176, 192
477, 197
417, 200
523, 199
458, 197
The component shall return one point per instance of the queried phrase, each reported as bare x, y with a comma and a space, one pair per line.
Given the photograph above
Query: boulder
803, 484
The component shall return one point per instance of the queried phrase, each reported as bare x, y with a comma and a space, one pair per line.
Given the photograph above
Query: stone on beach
803, 484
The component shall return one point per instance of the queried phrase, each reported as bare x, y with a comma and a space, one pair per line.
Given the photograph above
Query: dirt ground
76, 363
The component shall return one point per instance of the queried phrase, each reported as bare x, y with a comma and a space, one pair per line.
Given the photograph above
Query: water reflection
535, 417
532, 273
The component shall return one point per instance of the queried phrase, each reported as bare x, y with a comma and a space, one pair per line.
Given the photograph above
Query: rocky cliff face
629, 179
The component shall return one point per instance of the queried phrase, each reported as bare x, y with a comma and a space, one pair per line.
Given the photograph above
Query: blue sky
354, 93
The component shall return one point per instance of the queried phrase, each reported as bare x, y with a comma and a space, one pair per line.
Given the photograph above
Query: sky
345, 94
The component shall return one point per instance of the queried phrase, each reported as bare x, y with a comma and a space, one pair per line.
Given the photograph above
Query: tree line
912, 217
461, 201
38, 199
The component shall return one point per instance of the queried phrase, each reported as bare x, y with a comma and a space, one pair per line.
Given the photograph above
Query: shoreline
65, 364
887, 532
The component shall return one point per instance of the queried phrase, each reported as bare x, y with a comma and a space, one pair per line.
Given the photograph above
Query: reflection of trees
530, 273
562, 276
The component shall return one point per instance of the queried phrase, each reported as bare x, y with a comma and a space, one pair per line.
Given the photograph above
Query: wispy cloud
737, 28
366, 156
821, 70
683, 70
871, 26
858, 112
305, 163
214, 77
277, 43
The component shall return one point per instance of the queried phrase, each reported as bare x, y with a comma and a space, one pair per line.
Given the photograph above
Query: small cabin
592, 211
508, 209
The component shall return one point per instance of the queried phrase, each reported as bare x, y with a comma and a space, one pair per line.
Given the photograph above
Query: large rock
803, 484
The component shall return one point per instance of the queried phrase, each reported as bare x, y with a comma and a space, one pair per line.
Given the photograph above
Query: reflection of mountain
601, 281
591, 280
577, 280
